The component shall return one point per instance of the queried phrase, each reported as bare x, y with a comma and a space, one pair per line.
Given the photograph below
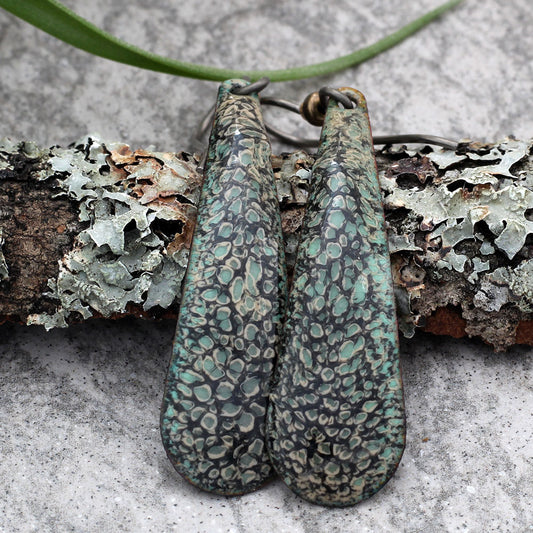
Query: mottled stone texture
214, 407
336, 422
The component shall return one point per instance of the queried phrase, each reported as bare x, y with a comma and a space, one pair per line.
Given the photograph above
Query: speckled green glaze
336, 427
214, 408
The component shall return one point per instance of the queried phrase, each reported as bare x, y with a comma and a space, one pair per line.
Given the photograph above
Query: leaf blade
57, 20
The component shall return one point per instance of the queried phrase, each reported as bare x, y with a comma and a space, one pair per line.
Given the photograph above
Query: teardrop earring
336, 428
227, 335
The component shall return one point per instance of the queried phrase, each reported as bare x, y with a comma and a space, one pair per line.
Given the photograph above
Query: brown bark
38, 230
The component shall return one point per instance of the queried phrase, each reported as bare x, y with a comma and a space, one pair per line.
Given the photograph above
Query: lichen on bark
468, 215
99, 229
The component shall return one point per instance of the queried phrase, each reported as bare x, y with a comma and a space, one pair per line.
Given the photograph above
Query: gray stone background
79, 439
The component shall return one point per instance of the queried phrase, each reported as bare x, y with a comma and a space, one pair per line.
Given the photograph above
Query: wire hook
313, 110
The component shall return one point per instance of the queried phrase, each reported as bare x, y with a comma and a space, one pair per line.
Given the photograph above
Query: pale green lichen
507, 285
135, 215
478, 202
521, 285
402, 243
453, 210
491, 297
293, 178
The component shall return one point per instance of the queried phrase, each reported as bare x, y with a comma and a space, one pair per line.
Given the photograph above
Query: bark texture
37, 229
97, 229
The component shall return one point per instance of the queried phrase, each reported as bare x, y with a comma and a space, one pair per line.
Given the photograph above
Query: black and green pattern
336, 424
214, 406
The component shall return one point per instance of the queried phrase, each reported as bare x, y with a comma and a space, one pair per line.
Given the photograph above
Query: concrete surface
79, 440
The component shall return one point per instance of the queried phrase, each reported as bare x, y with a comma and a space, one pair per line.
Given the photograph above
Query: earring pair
309, 388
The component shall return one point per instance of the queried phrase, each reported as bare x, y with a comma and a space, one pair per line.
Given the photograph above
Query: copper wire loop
313, 110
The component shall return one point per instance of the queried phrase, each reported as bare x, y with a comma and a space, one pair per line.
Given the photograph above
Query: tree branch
99, 230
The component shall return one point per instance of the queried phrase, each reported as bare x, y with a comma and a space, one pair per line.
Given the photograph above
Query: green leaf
56, 19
